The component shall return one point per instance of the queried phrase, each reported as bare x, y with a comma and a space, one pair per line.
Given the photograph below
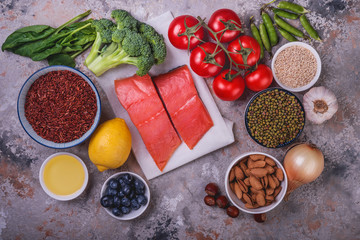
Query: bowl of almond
255, 182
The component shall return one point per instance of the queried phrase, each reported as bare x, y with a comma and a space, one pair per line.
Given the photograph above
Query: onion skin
303, 163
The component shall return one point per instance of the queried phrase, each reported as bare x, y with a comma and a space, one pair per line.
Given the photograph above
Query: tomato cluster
207, 59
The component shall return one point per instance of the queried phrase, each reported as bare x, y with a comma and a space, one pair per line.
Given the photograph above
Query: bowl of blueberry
125, 195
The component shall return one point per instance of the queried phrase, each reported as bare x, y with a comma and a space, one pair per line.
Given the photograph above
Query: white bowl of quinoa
296, 66
59, 107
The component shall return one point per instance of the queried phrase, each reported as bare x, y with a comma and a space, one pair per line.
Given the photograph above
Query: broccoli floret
135, 45
143, 63
127, 47
156, 41
124, 20
119, 35
119, 15
131, 42
138, 49
104, 29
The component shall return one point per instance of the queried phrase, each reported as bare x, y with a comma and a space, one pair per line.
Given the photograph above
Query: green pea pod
286, 35
285, 14
256, 34
308, 28
264, 37
292, 7
270, 28
283, 24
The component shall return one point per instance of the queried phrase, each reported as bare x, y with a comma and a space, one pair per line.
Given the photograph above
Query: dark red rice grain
60, 106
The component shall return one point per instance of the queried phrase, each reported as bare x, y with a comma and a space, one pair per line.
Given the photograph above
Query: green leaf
72, 48
26, 35
46, 53
80, 35
39, 42
61, 59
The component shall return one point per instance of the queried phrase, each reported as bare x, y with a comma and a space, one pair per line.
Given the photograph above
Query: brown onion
303, 163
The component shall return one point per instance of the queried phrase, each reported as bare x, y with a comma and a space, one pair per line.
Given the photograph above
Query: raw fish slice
158, 139
193, 121
140, 99
186, 110
138, 95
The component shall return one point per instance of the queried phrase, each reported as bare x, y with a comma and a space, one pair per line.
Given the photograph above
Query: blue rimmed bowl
25, 123
247, 112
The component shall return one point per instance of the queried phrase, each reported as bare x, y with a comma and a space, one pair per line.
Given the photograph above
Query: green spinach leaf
61, 59
41, 42
26, 35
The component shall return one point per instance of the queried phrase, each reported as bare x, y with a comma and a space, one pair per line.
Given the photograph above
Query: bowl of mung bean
296, 66
274, 118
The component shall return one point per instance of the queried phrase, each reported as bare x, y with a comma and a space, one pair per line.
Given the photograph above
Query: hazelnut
260, 218
232, 211
209, 200
212, 189
222, 201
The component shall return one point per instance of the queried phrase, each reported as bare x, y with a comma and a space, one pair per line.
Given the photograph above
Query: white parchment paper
218, 136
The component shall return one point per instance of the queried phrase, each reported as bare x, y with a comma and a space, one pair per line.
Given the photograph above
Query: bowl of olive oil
63, 176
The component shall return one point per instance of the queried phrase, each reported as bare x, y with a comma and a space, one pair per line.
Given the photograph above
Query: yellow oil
63, 175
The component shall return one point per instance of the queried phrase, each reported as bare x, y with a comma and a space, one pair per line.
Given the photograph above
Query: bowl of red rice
59, 107
296, 66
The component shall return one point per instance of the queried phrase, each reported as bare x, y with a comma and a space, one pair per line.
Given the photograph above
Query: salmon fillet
140, 99
187, 112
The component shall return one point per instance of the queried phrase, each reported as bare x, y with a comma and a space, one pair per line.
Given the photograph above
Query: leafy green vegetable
61, 59
127, 42
40, 42
41, 49
25, 35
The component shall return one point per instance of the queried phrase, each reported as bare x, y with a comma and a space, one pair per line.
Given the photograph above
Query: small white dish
317, 74
238, 203
134, 213
25, 123
63, 197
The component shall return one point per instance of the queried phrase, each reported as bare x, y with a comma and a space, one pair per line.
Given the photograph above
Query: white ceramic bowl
26, 125
238, 203
318, 71
134, 213
63, 197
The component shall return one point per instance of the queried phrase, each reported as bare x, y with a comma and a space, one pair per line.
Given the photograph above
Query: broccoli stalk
127, 47
105, 62
104, 29
127, 42
110, 58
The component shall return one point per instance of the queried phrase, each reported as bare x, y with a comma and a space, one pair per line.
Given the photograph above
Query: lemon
110, 144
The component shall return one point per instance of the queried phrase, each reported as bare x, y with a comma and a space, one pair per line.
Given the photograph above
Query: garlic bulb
320, 104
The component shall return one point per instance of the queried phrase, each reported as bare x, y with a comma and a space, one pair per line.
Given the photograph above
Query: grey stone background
328, 208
